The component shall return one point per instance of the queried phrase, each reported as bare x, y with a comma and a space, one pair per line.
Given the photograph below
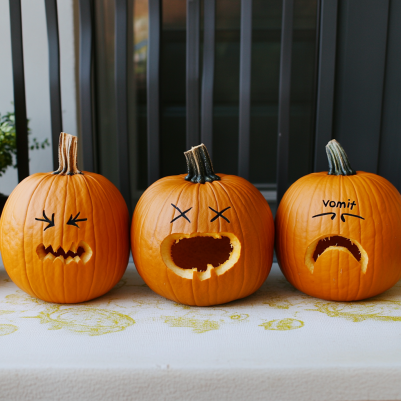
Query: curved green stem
338, 160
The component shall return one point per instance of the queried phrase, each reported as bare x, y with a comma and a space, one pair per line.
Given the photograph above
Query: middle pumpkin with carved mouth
187, 254
202, 239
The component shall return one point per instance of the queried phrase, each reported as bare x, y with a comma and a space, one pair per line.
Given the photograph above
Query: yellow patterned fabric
276, 344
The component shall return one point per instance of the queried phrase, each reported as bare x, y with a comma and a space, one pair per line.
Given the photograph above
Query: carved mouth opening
76, 253
198, 252
186, 254
337, 243
336, 240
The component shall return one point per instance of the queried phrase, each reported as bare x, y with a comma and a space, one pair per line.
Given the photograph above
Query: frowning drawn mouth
76, 253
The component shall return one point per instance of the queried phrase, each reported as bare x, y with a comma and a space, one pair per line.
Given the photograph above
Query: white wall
37, 78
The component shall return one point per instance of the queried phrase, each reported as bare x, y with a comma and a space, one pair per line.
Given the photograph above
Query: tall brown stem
199, 164
67, 155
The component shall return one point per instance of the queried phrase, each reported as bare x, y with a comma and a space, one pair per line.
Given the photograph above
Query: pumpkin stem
208, 163
338, 160
191, 166
199, 164
67, 155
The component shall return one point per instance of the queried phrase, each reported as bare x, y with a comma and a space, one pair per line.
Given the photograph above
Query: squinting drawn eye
73, 221
334, 215
46, 220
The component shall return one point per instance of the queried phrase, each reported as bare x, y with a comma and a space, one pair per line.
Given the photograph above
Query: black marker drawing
348, 214
46, 220
73, 221
324, 214
182, 213
220, 214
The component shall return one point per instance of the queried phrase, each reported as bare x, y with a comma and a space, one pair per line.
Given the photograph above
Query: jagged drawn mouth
335, 242
76, 253
186, 254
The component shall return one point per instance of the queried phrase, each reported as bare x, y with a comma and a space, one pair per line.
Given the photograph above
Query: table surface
277, 344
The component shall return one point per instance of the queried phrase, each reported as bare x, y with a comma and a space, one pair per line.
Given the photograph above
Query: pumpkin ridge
360, 177
350, 180
177, 299
23, 233
366, 180
302, 189
217, 203
363, 182
62, 237
268, 237
76, 208
170, 230
392, 193
94, 236
242, 234
109, 198
257, 281
197, 217
317, 184
113, 194
251, 197
148, 204
44, 206
97, 188
8, 205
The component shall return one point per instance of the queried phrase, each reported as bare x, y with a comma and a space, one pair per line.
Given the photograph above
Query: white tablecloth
277, 344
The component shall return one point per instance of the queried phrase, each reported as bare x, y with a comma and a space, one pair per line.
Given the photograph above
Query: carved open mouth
335, 242
186, 254
76, 253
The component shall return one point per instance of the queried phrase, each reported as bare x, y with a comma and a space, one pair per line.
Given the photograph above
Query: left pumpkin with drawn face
64, 236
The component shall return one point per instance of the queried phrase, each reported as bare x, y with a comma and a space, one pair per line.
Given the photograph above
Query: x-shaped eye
220, 214
181, 215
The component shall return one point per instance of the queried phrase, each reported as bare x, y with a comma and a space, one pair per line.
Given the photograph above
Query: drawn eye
220, 214
324, 214
342, 216
73, 221
182, 213
352, 215
46, 220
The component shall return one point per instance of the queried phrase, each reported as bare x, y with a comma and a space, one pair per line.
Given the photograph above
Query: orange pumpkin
64, 236
202, 239
338, 233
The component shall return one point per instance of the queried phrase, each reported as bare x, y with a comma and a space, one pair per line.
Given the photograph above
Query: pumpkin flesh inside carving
335, 243
199, 253
76, 253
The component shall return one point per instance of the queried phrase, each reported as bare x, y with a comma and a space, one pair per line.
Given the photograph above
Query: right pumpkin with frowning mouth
338, 233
